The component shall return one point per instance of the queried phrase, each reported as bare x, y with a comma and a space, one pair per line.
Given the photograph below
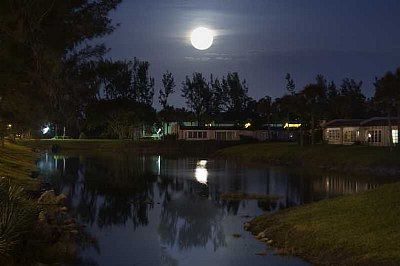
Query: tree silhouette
387, 95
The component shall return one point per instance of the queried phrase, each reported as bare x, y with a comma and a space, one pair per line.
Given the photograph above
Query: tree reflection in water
107, 190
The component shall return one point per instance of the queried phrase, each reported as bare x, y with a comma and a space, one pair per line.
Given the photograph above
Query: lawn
17, 163
362, 229
318, 155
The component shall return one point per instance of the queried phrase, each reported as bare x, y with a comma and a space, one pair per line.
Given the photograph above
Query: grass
362, 229
158, 147
17, 163
349, 157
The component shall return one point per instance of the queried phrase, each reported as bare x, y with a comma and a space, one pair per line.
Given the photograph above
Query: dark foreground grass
17, 163
148, 147
362, 229
346, 157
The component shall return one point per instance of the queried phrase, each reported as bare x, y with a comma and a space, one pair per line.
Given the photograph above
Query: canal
152, 210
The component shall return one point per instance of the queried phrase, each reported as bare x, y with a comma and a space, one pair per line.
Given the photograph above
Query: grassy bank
151, 147
335, 157
361, 229
17, 163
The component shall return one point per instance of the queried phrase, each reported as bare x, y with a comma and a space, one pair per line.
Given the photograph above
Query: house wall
333, 135
213, 134
379, 135
350, 135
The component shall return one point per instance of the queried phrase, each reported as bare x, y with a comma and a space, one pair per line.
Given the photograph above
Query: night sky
262, 40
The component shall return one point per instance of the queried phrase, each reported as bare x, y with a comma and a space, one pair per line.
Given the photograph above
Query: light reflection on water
150, 210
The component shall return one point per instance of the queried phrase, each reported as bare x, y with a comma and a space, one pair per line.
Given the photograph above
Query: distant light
9, 125
202, 163
158, 131
201, 173
289, 125
369, 135
45, 130
247, 125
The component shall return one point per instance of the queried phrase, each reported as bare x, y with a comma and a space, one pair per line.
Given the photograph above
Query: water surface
151, 210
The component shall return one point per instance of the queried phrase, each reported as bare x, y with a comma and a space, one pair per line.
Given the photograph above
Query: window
395, 136
375, 136
197, 135
220, 135
334, 134
349, 136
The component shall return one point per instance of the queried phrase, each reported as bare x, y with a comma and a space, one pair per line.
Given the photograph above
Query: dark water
150, 210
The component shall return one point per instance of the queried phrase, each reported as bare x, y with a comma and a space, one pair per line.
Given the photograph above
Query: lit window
395, 135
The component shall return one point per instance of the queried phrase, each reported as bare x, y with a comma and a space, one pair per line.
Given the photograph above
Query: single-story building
376, 131
225, 133
342, 131
373, 131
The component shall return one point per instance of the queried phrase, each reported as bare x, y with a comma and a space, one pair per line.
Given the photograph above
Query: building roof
212, 128
380, 121
343, 123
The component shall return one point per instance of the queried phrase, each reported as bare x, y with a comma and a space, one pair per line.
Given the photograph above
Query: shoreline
359, 229
351, 160
51, 235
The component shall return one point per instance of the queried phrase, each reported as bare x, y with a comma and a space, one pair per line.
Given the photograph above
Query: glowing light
247, 125
202, 38
9, 125
158, 131
289, 125
201, 173
202, 163
45, 130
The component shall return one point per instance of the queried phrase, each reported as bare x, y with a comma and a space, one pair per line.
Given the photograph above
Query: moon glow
202, 38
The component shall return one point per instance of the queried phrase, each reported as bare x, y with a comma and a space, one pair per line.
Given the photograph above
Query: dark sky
262, 40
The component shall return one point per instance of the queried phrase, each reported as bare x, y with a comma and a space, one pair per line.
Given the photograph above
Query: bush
17, 218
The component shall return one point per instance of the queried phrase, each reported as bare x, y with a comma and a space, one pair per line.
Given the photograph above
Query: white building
374, 131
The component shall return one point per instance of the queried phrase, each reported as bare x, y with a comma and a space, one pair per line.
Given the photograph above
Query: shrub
17, 218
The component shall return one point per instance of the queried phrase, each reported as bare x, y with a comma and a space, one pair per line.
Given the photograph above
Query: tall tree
144, 83
387, 95
351, 100
38, 39
237, 92
197, 93
168, 89
314, 96
290, 85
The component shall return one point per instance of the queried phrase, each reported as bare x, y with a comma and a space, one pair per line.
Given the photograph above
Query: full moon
202, 38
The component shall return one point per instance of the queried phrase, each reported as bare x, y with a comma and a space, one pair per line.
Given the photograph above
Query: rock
261, 253
246, 226
64, 209
270, 242
42, 216
48, 197
265, 239
69, 221
263, 234
61, 198
74, 232
237, 235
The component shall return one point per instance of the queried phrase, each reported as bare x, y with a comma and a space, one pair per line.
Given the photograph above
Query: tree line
50, 73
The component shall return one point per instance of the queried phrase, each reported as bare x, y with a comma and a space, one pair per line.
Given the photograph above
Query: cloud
197, 59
